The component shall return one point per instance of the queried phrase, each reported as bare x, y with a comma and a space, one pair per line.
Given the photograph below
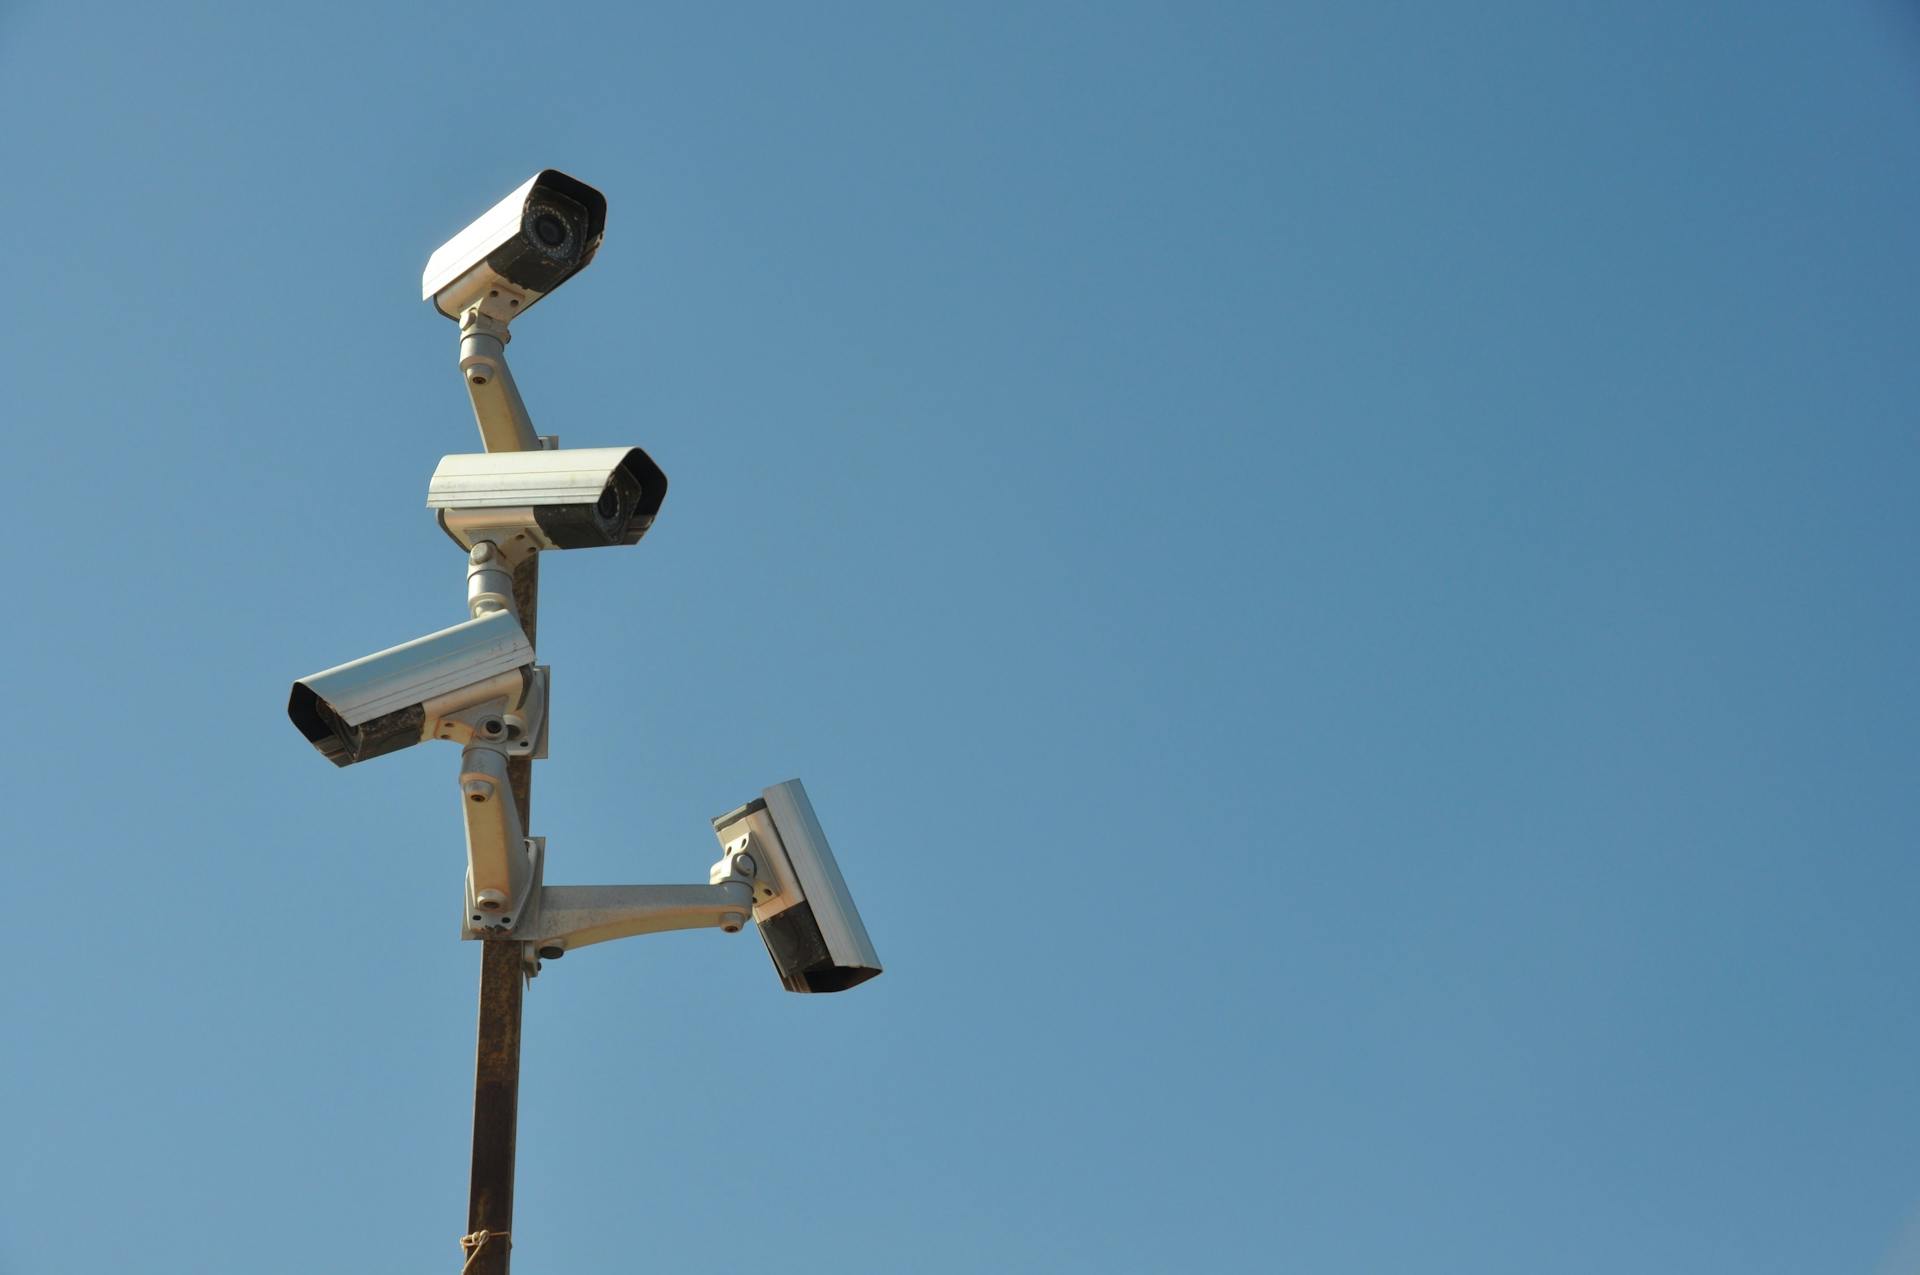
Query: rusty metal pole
496, 1071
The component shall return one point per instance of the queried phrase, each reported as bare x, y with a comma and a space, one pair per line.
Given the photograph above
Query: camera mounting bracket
507, 913
572, 916
564, 917
497, 406
511, 720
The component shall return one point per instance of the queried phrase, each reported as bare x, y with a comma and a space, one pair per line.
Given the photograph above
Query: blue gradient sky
1340, 575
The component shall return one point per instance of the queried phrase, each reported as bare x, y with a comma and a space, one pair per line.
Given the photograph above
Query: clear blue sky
1341, 576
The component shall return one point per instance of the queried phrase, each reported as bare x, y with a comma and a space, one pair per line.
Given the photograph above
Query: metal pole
496, 1071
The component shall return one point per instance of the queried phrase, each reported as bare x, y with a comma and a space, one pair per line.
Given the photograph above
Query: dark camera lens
550, 230
609, 504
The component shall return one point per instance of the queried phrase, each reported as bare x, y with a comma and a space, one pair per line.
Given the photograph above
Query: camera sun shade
377, 705
568, 498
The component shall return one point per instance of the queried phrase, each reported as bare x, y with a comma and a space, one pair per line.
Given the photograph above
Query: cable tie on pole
472, 1244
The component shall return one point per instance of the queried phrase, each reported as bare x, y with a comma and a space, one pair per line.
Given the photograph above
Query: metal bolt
744, 865
482, 552
732, 921
491, 900
477, 789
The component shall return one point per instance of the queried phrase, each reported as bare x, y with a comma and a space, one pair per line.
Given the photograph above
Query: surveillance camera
472, 683
519, 250
800, 902
574, 498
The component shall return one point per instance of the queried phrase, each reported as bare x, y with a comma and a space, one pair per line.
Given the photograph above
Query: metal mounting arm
497, 407
502, 861
571, 916
574, 916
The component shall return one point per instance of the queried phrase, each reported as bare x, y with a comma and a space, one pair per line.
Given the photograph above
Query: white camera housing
800, 901
473, 683
519, 250
566, 498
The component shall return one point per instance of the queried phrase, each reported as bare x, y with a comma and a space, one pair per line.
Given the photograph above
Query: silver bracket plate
519, 917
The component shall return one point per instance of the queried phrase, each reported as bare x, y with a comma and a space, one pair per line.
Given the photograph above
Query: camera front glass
553, 225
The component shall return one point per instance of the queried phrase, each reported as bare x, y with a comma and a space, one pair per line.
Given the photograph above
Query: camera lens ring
549, 231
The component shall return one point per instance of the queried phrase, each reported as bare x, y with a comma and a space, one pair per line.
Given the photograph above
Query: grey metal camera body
519, 250
801, 903
474, 682
564, 498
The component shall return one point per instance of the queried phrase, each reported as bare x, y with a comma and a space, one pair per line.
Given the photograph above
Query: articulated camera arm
552, 920
502, 416
503, 863
573, 916
576, 915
